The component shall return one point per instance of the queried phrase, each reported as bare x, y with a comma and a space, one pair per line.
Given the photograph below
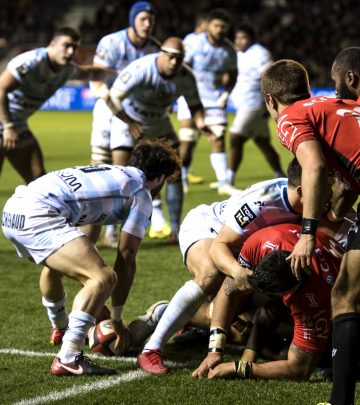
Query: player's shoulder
114, 37
27, 61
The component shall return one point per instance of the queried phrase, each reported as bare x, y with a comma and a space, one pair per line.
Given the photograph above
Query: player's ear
299, 191
271, 101
352, 79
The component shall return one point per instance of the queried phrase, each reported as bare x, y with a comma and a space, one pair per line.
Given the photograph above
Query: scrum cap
137, 8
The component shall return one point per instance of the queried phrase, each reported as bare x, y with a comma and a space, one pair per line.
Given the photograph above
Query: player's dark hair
247, 28
348, 59
287, 81
273, 274
219, 14
294, 173
73, 33
155, 158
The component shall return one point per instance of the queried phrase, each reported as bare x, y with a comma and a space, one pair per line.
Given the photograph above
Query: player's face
62, 50
169, 63
144, 24
242, 41
341, 87
218, 29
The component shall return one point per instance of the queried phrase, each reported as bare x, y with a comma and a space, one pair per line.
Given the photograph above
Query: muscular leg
271, 155
345, 302
28, 161
79, 260
189, 298
236, 154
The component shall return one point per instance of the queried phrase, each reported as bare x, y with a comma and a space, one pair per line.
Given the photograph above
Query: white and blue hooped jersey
251, 64
263, 204
149, 96
209, 63
117, 51
103, 194
38, 79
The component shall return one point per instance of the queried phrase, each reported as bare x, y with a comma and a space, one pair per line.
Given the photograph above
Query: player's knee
100, 155
188, 134
209, 280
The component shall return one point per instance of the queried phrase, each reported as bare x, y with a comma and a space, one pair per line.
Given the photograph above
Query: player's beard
345, 93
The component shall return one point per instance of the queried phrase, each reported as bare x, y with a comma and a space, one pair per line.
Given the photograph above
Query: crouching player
41, 220
308, 299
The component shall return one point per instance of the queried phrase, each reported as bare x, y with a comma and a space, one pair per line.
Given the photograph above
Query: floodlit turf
25, 355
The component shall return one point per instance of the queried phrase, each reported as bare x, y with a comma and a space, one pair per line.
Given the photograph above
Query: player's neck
135, 39
213, 41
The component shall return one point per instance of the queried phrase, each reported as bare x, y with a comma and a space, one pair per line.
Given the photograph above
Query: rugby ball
102, 338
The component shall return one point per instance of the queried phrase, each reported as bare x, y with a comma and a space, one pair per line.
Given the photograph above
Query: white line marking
93, 386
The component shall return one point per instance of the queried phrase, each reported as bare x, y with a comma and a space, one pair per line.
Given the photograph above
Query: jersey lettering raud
335, 124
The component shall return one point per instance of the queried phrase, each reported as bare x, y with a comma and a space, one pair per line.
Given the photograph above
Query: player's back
333, 122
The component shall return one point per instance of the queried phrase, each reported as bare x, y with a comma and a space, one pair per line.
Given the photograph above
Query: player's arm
198, 114
229, 81
125, 268
299, 366
96, 74
223, 313
314, 186
342, 201
221, 253
8, 83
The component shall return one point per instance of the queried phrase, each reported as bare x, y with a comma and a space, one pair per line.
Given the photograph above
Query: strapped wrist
243, 369
217, 339
8, 124
309, 226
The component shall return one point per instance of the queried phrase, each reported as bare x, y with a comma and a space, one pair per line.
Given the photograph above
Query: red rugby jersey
310, 304
335, 124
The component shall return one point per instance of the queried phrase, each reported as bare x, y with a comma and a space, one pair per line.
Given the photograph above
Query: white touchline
83, 389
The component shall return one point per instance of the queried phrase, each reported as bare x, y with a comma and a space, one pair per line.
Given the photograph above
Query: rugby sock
74, 339
174, 199
184, 171
219, 164
56, 312
180, 310
345, 357
159, 312
230, 176
158, 220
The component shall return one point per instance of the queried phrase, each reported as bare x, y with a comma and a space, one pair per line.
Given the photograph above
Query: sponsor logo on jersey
244, 216
13, 221
23, 69
125, 77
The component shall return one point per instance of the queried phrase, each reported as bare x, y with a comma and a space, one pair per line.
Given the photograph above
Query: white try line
106, 382
83, 389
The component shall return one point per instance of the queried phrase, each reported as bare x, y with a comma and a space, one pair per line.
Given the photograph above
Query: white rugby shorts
199, 223
35, 228
251, 123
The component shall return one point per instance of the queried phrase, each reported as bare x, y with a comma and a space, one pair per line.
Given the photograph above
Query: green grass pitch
25, 355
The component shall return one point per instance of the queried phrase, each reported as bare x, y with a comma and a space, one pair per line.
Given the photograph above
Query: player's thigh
101, 125
120, 136
79, 259
346, 291
28, 161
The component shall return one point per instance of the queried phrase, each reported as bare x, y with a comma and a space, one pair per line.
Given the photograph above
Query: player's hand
224, 370
10, 139
208, 132
300, 258
222, 100
210, 361
123, 340
135, 129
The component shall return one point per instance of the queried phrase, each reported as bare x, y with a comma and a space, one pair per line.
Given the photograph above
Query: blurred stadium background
310, 31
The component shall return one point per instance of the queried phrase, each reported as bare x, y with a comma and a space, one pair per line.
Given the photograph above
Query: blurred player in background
201, 24
142, 96
317, 130
27, 82
42, 221
251, 119
213, 60
116, 51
